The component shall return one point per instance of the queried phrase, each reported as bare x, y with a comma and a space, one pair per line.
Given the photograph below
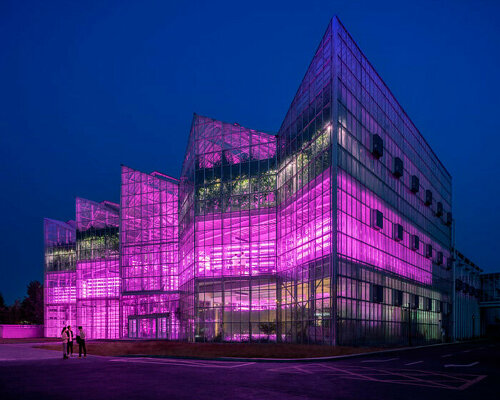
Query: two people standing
67, 342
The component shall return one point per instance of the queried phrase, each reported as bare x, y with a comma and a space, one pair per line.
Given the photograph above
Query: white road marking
408, 376
467, 351
446, 355
305, 371
413, 363
461, 365
379, 361
472, 382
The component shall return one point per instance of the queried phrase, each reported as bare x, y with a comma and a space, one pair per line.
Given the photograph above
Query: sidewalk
25, 351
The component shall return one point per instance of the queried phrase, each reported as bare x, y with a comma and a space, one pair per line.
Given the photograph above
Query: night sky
86, 86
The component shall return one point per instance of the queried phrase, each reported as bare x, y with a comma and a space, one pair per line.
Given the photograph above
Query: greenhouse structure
335, 230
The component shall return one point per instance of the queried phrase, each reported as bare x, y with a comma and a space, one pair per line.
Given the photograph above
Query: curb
295, 360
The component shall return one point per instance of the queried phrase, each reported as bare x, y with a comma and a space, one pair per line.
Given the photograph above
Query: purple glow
305, 225
220, 143
97, 268
21, 331
149, 254
302, 237
359, 241
60, 276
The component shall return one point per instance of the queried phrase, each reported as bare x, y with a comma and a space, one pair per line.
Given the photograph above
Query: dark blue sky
86, 86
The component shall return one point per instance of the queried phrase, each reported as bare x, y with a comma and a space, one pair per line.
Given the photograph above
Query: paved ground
461, 371
25, 351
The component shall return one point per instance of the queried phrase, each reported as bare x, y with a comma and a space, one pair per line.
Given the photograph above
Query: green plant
268, 328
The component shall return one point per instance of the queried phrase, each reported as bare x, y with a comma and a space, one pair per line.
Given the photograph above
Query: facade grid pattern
337, 230
60, 276
97, 268
149, 255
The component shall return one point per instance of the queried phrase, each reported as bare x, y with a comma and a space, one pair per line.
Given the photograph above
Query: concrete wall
21, 331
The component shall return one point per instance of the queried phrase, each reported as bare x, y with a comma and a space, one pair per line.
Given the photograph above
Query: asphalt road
462, 371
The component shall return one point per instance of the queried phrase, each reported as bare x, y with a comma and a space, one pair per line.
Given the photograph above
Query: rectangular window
377, 219
427, 304
414, 301
377, 294
397, 297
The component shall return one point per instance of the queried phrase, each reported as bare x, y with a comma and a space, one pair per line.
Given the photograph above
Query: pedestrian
80, 339
64, 337
69, 332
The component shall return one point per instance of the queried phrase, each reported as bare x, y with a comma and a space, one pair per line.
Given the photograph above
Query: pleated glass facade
336, 230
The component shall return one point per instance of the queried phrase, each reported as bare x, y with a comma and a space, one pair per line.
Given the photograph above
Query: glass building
336, 230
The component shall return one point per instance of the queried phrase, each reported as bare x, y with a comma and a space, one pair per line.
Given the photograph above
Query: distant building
467, 289
490, 304
337, 230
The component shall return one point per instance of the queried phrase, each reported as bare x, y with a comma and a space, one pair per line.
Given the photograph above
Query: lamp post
408, 307
473, 326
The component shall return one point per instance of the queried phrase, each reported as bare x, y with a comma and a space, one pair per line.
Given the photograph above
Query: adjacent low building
490, 304
335, 230
467, 292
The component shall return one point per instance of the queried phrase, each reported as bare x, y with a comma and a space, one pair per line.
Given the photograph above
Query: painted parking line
472, 382
183, 363
461, 365
401, 376
446, 355
380, 361
415, 362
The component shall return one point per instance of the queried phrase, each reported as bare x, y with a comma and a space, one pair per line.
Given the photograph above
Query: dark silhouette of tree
3, 310
32, 305
15, 312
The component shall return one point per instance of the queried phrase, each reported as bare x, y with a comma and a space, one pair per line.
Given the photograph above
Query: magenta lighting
335, 230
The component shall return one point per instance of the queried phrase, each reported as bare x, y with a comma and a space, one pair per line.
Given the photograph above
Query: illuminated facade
60, 275
227, 232
336, 230
98, 268
149, 255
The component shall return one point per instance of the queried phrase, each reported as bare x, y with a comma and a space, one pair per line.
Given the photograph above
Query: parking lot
454, 371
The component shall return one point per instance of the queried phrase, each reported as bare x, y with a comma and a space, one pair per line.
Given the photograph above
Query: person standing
80, 339
64, 337
69, 332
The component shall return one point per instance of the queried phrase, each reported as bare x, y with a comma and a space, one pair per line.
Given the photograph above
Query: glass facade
97, 268
305, 208
149, 255
336, 230
406, 252
60, 275
228, 232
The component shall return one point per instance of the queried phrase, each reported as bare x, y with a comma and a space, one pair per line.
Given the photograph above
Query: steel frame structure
335, 230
